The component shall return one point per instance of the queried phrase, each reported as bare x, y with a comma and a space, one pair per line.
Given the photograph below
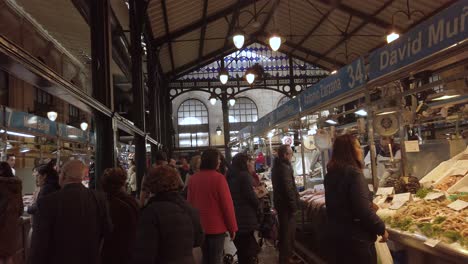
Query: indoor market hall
233, 131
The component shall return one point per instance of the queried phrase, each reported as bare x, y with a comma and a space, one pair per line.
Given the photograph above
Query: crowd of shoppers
175, 215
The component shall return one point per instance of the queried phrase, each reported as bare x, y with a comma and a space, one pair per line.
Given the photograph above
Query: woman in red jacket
208, 192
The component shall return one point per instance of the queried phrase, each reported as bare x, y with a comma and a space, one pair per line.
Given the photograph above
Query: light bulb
84, 126
212, 101
392, 37
250, 77
218, 131
52, 115
238, 39
232, 102
223, 77
333, 72
275, 42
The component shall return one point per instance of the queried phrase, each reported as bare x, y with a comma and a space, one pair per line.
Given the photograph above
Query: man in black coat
70, 224
286, 200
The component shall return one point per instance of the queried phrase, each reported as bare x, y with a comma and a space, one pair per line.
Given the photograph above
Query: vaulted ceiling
329, 33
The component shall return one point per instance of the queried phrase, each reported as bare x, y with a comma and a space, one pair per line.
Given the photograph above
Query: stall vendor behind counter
385, 151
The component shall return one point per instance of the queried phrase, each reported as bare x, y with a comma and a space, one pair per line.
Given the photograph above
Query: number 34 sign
346, 79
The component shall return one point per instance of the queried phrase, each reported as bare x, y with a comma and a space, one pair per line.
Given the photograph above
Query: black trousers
213, 248
247, 247
287, 234
345, 250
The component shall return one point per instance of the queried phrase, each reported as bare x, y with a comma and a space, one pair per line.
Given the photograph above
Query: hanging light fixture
250, 75
223, 75
238, 38
52, 115
392, 36
232, 101
212, 99
333, 72
219, 131
84, 125
275, 41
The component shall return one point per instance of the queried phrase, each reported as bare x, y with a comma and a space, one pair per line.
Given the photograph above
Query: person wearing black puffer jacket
169, 228
286, 201
353, 225
245, 206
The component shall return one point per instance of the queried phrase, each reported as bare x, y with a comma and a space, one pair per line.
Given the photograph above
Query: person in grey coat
286, 201
246, 206
70, 224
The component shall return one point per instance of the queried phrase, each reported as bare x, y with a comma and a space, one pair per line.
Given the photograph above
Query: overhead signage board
30, 123
286, 111
441, 31
344, 80
262, 124
72, 133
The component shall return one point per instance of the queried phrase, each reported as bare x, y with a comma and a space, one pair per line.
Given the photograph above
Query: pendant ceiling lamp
223, 75
52, 115
212, 99
238, 38
84, 125
275, 41
250, 76
232, 101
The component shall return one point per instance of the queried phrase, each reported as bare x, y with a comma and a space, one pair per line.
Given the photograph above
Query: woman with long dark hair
353, 225
245, 205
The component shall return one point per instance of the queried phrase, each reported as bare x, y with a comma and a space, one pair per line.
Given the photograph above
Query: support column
102, 85
136, 30
153, 102
225, 107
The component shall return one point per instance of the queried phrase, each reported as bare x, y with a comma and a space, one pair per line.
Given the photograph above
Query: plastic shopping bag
383, 253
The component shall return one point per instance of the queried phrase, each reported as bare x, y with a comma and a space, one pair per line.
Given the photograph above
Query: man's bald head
72, 171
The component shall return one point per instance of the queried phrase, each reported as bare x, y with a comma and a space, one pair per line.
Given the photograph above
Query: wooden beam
203, 30
302, 49
232, 25
359, 27
370, 18
199, 23
272, 11
309, 34
166, 26
206, 59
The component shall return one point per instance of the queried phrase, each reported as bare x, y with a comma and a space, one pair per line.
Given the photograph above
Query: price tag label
399, 200
412, 146
385, 191
458, 205
432, 242
433, 196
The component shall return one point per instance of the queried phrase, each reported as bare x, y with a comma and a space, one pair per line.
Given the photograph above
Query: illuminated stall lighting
392, 37
361, 112
17, 134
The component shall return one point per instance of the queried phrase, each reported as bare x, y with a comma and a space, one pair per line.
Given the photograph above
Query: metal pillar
153, 102
225, 107
102, 87
136, 14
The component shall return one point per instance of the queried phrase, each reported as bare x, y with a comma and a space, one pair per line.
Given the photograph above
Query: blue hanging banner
262, 124
25, 122
344, 80
441, 31
72, 133
286, 111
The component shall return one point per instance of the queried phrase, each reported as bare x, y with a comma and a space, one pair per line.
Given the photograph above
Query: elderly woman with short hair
169, 228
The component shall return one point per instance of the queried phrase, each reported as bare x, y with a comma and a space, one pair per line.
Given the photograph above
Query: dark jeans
247, 247
213, 249
287, 234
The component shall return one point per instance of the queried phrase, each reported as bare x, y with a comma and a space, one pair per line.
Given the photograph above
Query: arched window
244, 111
192, 124
283, 100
